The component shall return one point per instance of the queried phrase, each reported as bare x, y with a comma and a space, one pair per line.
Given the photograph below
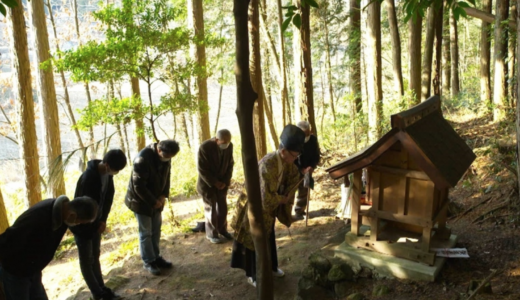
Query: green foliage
184, 175
103, 111
7, 3
414, 8
139, 37
348, 132
127, 248
294, 14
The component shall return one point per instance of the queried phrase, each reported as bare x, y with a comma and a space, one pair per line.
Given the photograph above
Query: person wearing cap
147, 191
97, 183
278, 178
306, 163
28, 246
215, 166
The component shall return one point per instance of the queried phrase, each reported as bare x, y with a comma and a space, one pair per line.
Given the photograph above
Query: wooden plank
374, 229
426, 239
442, 232
391, 157
403, 207
356, 202
406, 251
404, 172
420, 198
400, 218
442, 211
375, 188
393, 192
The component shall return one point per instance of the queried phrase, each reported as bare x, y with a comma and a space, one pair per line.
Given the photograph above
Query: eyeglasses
294, 156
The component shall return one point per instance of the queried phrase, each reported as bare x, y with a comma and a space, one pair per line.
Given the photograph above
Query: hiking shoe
214, 240
227, 235
152, 268
278, 273
201, 227
251, 281
162, 263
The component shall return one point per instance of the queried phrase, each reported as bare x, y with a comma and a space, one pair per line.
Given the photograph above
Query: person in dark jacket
97, 183
148, 189
28, 246
307, 162
215, 166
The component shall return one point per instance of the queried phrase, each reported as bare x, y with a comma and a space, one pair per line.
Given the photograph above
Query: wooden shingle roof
427, 136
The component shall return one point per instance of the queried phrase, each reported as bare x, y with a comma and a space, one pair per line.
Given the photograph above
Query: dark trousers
89, 251
23, 288
245, 259
301, 199
215, 211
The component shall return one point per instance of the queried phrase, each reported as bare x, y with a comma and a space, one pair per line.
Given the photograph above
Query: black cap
292, 138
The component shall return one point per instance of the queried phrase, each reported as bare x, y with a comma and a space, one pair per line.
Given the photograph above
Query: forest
80, 77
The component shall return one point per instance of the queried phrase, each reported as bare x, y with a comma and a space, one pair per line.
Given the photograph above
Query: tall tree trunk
128, 158
70, 112
396, 46
150, 102
270, 122
307, 102
87, 87
198, 52
121, 137
325, 13
428, 55
414, 46
446, 56
139, 124
268, 103
48, 102
437, 71
485, 56
354, 52
500, 83
184, 128
245, 103
454, 43
255, 69
219, 103
517, 102
511, 42
374, 71
297, 67
25, 106
322, 102
4, 221
272, 47
286, 107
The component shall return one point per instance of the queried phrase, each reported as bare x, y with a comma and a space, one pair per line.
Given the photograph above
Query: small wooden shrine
408, 174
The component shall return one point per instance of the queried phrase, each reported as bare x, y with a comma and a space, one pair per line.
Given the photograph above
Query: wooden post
426, 239
356, 202
374, 190
442, 231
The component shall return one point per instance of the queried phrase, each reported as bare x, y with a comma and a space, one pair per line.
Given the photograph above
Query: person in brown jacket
215, 166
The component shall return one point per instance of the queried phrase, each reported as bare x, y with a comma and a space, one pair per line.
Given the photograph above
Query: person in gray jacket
148, 189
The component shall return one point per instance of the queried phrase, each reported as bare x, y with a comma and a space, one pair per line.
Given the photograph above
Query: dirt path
201, 269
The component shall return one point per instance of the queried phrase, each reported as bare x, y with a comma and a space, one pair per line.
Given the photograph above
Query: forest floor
484, 216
